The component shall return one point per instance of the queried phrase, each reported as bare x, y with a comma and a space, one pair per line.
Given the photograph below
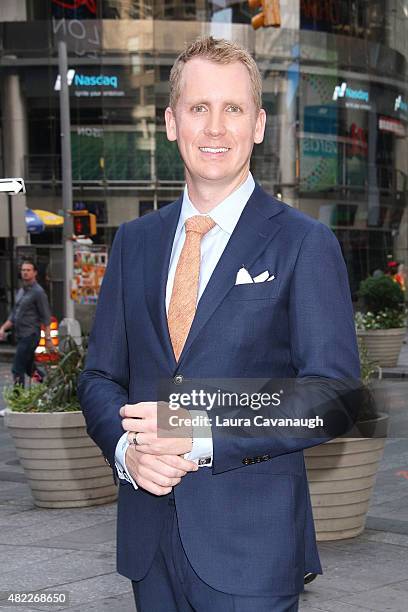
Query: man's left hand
141, 420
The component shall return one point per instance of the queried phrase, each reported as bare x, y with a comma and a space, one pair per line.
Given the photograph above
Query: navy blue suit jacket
246, 528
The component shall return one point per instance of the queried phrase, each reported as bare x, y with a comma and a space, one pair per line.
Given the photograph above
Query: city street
73, 551
216, 194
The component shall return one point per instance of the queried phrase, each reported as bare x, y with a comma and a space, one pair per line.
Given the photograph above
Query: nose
215, 124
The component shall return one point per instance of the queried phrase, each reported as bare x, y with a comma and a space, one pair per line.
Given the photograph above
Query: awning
39, 220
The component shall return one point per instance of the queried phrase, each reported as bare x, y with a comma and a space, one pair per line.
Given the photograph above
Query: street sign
12, 186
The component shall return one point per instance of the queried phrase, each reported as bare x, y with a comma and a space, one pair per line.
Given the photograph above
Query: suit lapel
158, 245
254, 230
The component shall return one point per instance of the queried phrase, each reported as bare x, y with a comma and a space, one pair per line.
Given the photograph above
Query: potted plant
342, 472
382, 325
64, 467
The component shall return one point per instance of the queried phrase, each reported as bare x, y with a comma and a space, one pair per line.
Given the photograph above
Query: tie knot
199, 224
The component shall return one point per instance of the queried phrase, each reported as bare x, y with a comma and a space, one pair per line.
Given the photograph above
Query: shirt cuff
120, 462
202, 451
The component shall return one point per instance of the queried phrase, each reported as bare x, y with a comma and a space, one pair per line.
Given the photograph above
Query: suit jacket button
265, 457
246, 460
258, 459
107, 461
178, 379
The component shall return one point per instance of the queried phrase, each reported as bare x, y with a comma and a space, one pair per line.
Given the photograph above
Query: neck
206, 195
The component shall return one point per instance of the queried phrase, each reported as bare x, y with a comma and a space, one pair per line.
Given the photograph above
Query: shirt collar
227, 212
29, 286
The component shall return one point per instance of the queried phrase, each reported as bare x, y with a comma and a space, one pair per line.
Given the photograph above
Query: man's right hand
157, 474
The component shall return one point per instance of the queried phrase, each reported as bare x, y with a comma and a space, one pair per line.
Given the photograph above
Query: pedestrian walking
30, 311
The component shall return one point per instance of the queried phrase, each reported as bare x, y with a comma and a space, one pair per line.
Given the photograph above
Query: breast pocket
268, 290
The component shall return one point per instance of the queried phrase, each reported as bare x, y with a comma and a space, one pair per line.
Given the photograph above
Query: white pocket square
244, 277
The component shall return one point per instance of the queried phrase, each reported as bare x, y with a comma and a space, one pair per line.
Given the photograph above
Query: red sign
320, 10
386, 124
359, 145
75, 4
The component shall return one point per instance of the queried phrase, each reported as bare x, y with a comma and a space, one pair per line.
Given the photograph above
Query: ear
260, 127
171, 128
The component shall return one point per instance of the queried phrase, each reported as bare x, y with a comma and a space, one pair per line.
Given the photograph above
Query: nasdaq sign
343, 91
101, 80
92, 85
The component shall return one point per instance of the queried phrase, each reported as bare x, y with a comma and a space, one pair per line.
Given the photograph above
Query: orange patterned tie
183, 300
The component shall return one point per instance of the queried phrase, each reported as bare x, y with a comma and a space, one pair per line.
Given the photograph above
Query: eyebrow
208, 103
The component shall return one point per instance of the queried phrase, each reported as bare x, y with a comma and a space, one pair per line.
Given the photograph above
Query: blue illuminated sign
84, 80
343, 91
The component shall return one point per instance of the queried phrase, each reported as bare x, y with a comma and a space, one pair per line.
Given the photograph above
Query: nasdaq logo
339, 91
343, 91
70, 77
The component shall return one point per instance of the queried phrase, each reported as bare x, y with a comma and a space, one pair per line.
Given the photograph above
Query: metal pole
11, 247
65, 123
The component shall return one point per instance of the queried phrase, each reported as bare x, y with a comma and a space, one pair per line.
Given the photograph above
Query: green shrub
380, 293
383, 319
58, 392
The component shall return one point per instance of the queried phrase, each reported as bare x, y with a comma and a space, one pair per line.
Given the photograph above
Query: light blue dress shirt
226, 215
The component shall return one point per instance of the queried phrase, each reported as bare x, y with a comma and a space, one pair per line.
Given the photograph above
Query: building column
15, 147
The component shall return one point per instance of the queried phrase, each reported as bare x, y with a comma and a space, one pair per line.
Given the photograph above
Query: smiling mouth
214, 149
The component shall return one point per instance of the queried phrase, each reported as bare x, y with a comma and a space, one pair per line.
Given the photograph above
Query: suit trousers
171, 584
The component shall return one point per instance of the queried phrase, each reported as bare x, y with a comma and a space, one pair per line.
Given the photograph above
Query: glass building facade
335, 91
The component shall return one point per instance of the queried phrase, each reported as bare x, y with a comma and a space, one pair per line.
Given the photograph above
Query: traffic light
84, 223
268, 17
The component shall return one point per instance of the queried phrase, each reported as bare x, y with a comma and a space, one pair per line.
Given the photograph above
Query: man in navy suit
211, 522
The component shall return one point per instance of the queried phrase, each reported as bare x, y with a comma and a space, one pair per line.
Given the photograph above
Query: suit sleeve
324, 355
103, 385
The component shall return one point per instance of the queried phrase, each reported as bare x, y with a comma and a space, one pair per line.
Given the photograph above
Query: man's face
215, 122
28, 274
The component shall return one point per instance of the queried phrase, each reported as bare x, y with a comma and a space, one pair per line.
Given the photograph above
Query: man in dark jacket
30, 311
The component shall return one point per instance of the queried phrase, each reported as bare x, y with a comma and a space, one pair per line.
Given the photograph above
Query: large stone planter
383, 345
64, 467
341, 476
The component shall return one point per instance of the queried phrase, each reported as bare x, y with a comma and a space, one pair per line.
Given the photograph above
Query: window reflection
334, 78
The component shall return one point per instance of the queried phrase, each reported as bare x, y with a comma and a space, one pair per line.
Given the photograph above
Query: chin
214, 174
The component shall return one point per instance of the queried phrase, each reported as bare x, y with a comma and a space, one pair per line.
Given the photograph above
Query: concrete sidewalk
73, 551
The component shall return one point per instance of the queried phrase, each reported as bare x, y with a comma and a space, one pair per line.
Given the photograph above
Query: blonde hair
219, 51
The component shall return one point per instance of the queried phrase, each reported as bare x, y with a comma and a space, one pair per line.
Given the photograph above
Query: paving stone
391, 598
24, 556
45, 532
388, 524
364, 550
88, 594
118, 603
317, 593
389, 538
58, 572
86, 538
338, 606
16, 608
